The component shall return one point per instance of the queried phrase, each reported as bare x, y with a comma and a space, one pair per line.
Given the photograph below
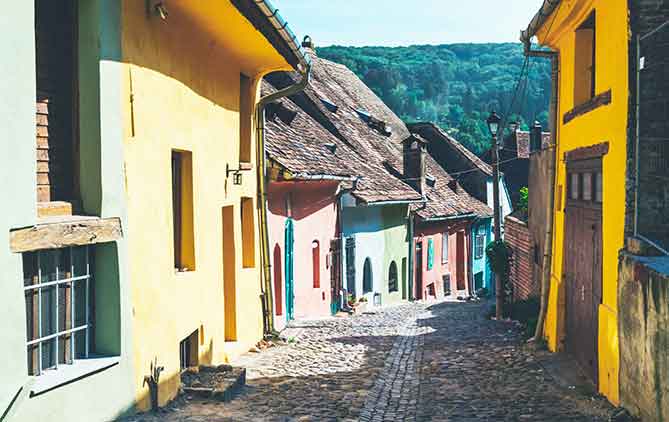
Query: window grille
57, 285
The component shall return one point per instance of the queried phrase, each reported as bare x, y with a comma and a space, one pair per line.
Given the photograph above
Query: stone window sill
66, 374
595, 102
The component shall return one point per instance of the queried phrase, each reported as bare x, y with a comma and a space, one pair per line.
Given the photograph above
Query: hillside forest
453, 85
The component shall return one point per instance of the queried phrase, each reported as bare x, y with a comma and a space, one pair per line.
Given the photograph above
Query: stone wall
652, 197
517, 236
643, 294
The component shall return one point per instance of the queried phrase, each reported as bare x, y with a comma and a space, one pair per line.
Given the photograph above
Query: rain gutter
539, 19
261, 156
284, 31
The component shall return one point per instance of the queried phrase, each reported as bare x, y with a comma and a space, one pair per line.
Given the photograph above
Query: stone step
222, 382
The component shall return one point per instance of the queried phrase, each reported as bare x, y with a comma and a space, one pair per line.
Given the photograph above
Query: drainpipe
410, 270
266, 283
550, 214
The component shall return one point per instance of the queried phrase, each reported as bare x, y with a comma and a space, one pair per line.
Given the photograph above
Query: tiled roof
337, 108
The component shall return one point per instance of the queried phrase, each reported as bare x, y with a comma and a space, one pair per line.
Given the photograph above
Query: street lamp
493, 123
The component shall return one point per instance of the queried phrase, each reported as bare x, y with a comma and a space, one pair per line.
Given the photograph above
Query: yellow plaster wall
605, 124
183, 93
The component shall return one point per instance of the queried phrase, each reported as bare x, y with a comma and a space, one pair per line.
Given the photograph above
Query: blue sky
406, 22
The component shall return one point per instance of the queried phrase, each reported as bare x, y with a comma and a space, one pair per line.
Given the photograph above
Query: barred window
57, 285
393, 285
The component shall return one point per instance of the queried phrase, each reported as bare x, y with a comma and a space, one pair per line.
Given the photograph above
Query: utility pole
493, 124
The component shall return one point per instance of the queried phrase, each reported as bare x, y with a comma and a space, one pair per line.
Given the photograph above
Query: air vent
275, 110
364, 115
329, 105
430, 180
331, 147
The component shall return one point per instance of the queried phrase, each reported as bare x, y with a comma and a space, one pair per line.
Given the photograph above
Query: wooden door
289, 244
460, 257
335, 274
582, 261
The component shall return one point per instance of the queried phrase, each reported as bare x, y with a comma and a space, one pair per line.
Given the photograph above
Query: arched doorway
367, 282
278, 281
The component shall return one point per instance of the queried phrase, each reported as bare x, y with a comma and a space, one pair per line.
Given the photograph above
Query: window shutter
430, 254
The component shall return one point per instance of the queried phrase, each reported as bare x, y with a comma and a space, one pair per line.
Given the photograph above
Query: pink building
441, 259
302, 214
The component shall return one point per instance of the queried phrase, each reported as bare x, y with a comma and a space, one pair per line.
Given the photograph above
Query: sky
407, 22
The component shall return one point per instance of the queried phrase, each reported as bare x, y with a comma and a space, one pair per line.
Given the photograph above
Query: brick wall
517, 236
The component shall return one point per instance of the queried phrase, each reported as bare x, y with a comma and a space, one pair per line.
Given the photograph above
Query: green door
290, 292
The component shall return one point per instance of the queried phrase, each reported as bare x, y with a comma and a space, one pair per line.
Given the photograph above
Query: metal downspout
546, 263
410, 270
266, 282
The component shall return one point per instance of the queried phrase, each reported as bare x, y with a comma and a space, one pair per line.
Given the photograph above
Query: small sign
642, 63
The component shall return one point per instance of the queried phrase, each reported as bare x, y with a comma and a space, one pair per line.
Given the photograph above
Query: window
245, 118
188, 351
56, 99
57, 285
316, 263
444, 248
430, 253
393, 285
584, 61
182, 210
479, 243
248, 234
367, 283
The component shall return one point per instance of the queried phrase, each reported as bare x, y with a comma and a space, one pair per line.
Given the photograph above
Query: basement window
182, 211
584, 61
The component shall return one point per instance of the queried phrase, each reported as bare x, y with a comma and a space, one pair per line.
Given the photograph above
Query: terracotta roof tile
368, 138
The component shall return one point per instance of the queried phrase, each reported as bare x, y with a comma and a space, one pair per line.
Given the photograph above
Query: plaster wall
433, 285
181, 91
604, 124
313, 208
102, 194
643, 287
380, 234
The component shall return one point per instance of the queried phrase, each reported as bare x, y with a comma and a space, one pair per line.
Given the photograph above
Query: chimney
536, 136
308, 43
453, 184
413, 157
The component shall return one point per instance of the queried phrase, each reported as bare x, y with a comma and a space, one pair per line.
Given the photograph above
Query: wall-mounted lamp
157, 8
236, 174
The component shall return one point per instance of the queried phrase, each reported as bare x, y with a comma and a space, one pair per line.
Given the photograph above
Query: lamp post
493, 125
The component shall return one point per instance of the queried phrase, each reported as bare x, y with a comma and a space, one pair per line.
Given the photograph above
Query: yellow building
189, 76
590, 39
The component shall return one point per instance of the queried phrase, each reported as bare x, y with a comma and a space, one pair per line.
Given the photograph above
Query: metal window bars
73, 277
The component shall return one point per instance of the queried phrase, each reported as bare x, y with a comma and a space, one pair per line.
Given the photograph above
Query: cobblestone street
441, 361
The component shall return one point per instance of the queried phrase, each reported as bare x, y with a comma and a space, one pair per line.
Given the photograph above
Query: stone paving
439, 361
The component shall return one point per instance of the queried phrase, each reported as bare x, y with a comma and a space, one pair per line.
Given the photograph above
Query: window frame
70, 333
444, 248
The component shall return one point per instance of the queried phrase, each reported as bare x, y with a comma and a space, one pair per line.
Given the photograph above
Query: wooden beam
72, 231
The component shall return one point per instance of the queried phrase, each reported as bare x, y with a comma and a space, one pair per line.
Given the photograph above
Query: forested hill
454, 85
